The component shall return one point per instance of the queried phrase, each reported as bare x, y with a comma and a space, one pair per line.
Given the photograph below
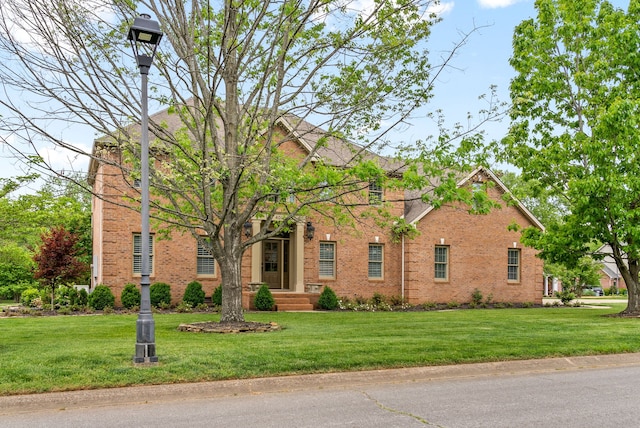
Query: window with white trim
327, 267
513, 265
376, 261
441, 262
137, 254
375, 193
206, 265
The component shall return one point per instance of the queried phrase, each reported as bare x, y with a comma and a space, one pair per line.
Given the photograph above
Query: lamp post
145, 31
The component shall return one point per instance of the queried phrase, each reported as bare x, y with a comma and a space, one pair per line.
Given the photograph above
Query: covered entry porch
278, 261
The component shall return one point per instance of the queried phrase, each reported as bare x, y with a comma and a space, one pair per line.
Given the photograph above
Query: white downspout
402, 269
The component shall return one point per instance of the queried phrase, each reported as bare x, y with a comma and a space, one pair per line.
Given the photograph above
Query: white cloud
495, 4
60, 159
440, 9
27, 22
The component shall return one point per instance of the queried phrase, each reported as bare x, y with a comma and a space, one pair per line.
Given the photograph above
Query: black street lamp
145, 31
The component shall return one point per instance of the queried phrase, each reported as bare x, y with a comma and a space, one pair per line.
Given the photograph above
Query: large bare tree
229, 72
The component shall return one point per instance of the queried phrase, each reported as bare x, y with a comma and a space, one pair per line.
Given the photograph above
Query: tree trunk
629, 272
231, 275
633, 305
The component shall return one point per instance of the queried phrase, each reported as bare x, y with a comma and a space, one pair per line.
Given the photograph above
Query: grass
41, 354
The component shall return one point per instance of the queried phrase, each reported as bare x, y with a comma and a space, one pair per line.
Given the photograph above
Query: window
206, 265
137, 254
375, 193
375, 261
327, 260
441, 267
513, 265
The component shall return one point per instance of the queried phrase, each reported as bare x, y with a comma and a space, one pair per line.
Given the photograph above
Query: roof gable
416, 210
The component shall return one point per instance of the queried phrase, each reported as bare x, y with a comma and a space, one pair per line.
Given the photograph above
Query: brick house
610, 275
455, 253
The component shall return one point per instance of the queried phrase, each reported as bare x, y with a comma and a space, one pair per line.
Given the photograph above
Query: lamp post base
145, 353
145, 337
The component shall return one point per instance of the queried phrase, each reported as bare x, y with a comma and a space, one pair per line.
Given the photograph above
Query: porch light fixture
248, 229
144, 36
310, 231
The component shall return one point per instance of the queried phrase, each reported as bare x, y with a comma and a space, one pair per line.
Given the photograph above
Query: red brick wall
352, 256
478, 254
478, 247
174, 260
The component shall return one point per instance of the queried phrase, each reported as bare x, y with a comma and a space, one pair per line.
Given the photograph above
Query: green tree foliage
194, 294
547, 206
130, 296
328, 299
57, 259
575, 120
101, 298
264, 299
25, 214
243, 78
585, 273
160, 294
16, 270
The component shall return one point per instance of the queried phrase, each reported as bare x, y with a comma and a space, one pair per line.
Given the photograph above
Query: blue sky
482, 62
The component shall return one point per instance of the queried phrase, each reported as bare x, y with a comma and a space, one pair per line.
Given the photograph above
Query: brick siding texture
478, 247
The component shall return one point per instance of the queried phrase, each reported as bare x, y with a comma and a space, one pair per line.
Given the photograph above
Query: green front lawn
77, 352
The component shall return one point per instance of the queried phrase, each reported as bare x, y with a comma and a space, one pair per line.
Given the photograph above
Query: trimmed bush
83, 297
66, 296
328, 299
565, 296
130, 296
28, 296
160, 294
193, 295
101, 298
264, 299
216, 298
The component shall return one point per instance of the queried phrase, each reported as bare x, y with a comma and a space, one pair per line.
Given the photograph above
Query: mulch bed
229, 327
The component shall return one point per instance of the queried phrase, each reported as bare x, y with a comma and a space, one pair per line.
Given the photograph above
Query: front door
275, 263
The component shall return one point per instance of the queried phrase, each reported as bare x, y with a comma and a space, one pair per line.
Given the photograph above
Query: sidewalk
586, 300
164, 393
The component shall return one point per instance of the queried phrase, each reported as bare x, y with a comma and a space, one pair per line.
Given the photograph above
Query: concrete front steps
292, 302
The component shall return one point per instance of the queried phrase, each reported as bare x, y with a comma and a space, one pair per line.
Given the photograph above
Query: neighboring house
455, 253
610, 274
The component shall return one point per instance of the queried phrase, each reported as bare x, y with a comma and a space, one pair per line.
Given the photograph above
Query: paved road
562, 392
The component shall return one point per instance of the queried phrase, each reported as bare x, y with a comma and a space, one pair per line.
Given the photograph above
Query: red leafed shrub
57, 259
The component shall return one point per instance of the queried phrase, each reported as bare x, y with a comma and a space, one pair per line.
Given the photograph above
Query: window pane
375, 270
441, 262
375, 261
375, 193
326, 268
513, 265
441, 254
205, 263
137, 253
326, 251
327, 259
206, 266
375, 253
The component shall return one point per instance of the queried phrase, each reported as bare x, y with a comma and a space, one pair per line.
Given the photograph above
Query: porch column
256, 254
298, 264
